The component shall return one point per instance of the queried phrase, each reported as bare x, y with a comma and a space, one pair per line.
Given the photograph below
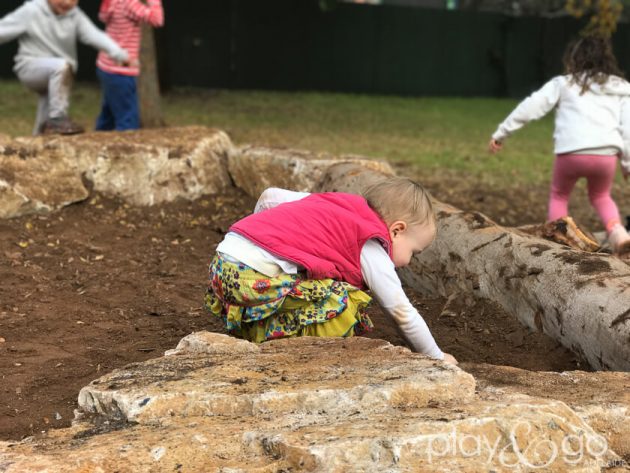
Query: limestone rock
201, 445
34, 178
501, 436
602, 399
307, 404
255, 168
212, 344
304, 376
153, 166
144, 167
480, 436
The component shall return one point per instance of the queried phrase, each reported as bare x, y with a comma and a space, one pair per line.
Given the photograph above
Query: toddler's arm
380, 276
13, 24
151, 13
274, 196
533, 107
89, 34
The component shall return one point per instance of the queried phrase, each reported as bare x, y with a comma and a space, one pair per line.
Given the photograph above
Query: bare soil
101, 284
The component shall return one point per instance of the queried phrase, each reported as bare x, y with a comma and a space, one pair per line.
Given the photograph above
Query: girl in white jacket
592, 130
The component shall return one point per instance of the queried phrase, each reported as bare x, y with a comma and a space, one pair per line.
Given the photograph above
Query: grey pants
51, 78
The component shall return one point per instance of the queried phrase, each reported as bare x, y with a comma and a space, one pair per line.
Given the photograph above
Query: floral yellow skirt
259, 308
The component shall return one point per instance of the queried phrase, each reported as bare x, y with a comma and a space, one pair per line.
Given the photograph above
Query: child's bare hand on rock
450, 359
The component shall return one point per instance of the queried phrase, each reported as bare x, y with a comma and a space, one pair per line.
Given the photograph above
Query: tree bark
148, 83
580, 299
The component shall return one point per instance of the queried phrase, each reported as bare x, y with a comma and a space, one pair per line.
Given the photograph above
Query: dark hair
590, 59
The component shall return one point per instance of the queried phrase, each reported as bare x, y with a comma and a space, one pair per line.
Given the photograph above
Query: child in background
47, 31
123, 19
297, 266
592, 130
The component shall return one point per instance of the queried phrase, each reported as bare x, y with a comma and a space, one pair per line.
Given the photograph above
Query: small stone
157, 453
58, 416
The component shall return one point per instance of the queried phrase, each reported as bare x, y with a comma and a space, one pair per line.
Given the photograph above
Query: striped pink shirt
123, 19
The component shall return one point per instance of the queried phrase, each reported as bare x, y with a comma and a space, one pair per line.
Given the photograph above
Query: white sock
618, 235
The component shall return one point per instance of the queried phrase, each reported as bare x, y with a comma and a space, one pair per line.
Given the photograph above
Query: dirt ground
101, 284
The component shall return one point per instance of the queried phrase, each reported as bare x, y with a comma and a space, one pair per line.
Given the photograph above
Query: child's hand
133, 63
449, 359
494, 146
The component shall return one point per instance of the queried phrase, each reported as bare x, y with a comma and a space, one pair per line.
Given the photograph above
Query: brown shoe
61, 126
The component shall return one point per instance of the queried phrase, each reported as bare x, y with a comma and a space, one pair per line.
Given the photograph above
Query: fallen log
581, 299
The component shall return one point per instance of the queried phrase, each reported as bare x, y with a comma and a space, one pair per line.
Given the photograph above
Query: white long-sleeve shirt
377, 269
595, 122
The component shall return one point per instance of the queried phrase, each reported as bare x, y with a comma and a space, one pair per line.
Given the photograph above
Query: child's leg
600, 179
51, 78
600, 175
59, 88
105, 120
42, 114
562, 183
122, 98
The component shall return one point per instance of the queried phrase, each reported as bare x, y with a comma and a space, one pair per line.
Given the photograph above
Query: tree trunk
580, 299
148, 84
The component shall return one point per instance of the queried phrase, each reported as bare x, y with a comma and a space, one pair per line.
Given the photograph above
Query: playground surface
101, 284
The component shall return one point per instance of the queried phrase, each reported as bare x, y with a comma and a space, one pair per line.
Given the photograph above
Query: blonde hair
400, 198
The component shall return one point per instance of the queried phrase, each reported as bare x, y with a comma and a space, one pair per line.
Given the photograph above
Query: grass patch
435, 134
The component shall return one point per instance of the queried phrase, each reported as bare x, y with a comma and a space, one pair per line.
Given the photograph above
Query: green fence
293, 45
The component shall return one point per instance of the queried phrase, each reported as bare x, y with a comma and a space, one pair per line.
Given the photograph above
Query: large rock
35, 177
286, 376
602, 399
142, 167
255, 168
323, 405
523, 436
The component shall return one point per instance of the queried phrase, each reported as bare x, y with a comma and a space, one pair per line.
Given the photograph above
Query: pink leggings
599, 172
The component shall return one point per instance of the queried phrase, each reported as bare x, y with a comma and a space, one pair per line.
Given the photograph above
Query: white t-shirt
377, 269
